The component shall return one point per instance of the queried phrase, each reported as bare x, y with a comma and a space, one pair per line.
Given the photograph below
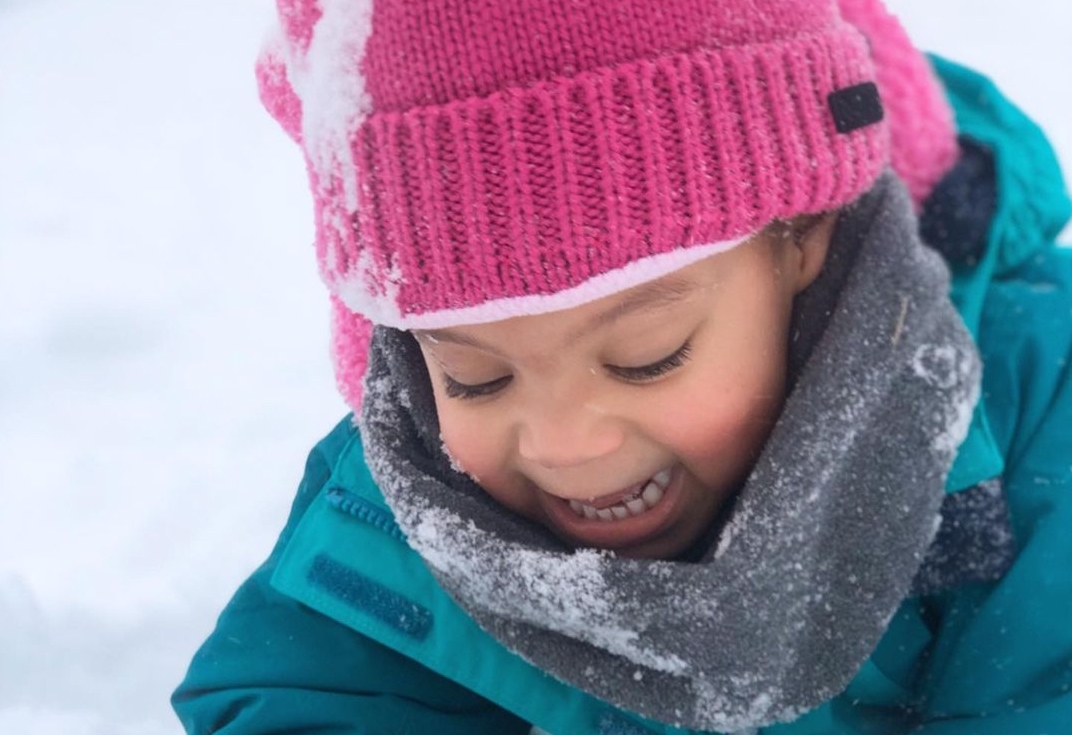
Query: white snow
332, 90
541, 588
938, 365
942, 366
163, 333
163, 359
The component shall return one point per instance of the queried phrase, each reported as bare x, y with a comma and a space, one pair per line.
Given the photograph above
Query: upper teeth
646, 498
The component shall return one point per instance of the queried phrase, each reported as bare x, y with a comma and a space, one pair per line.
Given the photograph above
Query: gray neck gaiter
778, 614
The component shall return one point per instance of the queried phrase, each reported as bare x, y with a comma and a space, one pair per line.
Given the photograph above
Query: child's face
626, 423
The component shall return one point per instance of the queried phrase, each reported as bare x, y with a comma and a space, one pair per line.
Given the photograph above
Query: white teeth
636, 505
652, 494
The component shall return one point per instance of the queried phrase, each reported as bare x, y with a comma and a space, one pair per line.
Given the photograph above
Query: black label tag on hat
856, 107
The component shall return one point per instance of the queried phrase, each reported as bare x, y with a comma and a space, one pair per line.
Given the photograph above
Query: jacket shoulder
348, 561
321, 462
274, 663
1026, 343
1025, 339
1033, 203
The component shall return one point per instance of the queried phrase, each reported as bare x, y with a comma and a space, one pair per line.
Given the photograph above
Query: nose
561, 433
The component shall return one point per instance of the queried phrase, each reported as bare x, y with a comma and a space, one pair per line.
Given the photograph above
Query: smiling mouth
636, 501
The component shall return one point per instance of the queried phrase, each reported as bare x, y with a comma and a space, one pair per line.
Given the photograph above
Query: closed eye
651, 371
456, 389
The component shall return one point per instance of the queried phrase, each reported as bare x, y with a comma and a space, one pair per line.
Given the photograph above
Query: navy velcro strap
365, 594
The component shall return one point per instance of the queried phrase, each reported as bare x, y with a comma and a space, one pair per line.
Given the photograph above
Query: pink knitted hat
472, 161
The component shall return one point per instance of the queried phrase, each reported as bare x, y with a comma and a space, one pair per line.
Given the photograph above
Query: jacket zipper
364, 510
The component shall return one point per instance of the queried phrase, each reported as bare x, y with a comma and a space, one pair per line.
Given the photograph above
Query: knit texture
473, 161
923, 143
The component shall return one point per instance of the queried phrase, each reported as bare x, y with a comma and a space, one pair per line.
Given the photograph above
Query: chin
669, 544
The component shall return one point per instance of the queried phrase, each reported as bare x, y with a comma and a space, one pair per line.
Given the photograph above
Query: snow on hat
470, 162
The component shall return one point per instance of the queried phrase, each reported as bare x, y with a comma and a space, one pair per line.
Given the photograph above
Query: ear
810, 245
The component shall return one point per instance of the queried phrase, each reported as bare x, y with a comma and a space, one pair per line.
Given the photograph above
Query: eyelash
645, 373
468, 392
642, 374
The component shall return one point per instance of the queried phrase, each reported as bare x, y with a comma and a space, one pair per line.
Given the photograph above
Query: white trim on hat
382, 308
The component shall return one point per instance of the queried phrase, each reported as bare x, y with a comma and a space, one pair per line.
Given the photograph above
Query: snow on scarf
821, 546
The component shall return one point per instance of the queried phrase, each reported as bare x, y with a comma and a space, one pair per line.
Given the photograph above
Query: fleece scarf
780, 611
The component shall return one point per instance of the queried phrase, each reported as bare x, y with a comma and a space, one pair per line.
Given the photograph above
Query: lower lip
616, 534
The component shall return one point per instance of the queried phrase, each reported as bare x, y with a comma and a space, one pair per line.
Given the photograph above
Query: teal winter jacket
344, 630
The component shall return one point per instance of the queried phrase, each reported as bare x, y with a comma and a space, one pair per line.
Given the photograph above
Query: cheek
485, 456
719, 426
468, 441
722, 420
479, 448
468, 447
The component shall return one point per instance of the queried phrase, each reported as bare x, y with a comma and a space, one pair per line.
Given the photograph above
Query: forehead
575, 322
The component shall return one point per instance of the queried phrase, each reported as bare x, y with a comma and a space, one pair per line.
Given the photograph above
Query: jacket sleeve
273, 665
1002, 661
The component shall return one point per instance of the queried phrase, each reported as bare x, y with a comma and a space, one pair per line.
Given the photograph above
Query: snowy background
163, 361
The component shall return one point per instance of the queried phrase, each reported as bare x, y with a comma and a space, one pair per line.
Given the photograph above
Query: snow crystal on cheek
329, 83
454, 463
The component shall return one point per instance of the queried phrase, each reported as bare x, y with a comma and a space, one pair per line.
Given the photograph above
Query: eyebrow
655, 295
651, 296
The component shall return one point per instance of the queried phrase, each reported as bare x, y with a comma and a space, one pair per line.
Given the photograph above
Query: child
667, 422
